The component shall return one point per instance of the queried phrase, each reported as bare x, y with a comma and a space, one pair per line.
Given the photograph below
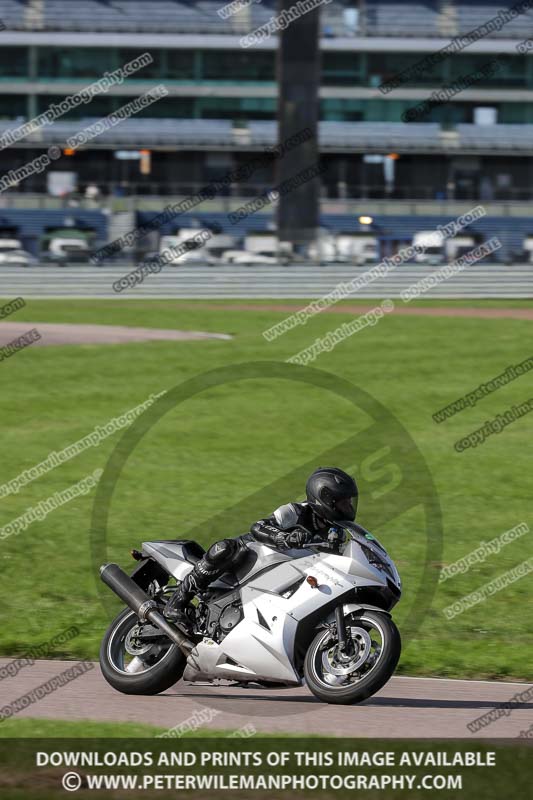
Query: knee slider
221, 553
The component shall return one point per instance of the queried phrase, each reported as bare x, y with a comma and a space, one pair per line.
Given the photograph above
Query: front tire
329, 674
155, 669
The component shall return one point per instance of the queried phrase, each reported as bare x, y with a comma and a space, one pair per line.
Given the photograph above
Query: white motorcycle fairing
277, 598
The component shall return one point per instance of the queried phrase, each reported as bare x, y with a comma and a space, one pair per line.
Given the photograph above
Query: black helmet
329, 493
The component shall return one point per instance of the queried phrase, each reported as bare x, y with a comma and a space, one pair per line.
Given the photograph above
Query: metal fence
218, 282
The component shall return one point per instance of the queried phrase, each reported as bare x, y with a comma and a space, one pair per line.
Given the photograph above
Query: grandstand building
424, 105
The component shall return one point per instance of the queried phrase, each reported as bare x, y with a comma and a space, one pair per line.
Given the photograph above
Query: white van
10, 244
458, 246
358, 249
196, 255
434, 249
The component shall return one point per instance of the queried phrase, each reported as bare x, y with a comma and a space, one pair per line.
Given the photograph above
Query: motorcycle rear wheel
153, 670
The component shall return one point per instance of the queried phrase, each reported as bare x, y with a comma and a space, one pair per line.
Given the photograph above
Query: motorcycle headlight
376, 561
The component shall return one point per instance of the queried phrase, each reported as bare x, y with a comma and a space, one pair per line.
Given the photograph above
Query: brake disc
132, 643
338, 663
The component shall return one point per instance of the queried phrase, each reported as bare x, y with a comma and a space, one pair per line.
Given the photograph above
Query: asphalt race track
405, 708
61, 334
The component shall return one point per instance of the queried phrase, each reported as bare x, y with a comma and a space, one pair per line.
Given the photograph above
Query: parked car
16, 258
67, 251
245, 257
195, 252
10, 244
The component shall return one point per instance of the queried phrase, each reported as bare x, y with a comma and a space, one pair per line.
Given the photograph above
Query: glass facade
74, 63
14, 63
13, 106
222, 66
349, 70
228, 66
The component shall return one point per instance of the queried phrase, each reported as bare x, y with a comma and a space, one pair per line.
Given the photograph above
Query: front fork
341, 628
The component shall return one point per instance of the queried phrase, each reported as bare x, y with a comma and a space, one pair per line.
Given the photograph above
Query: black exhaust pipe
143, 605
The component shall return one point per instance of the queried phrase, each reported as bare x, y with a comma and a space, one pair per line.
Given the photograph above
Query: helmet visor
346, 508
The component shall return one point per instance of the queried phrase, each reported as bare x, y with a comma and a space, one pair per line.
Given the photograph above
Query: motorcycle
320, 614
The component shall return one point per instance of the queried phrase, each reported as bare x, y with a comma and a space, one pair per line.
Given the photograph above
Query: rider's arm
282, 529
266, 532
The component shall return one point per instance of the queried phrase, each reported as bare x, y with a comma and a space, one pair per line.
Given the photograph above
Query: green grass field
30, 728
52, 729
214, 450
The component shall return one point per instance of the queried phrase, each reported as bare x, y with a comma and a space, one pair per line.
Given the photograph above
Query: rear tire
155, 679
367, 685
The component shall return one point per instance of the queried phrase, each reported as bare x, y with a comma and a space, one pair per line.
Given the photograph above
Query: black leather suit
225, 556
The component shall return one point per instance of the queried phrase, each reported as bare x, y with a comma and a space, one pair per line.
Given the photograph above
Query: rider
331, 496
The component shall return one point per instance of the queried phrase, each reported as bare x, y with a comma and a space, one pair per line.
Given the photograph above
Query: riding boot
220, 557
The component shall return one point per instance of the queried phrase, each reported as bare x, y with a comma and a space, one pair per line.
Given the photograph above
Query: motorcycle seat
189, 550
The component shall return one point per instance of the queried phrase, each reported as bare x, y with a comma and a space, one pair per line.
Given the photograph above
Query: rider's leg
220, 558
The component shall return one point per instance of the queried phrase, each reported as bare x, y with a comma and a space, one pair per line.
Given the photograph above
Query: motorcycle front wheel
353, 675
133, 665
